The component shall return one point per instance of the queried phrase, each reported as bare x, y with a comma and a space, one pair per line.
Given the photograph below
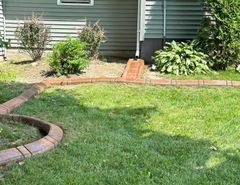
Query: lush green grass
229, 74
8, 88
127, 134
13, 135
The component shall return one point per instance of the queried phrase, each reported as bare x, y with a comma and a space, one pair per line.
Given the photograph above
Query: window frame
75, 4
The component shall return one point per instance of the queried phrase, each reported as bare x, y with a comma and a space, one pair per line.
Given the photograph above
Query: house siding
1, 24
119, 18
1, 18
183, 18
154, 19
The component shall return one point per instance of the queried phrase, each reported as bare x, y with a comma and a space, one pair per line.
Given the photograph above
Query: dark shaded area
10, 89
150, 46
109, 59
23, 62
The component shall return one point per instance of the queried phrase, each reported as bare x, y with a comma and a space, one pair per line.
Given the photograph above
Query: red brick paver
134, 69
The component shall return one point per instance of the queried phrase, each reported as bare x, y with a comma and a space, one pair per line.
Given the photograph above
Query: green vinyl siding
1, 17
1, 23
154, 19
183, 18
119, 18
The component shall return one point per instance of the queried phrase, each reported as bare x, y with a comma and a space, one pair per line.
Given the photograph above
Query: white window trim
76, 4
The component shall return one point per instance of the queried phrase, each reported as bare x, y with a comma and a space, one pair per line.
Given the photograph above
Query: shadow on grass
132, 151
10, 89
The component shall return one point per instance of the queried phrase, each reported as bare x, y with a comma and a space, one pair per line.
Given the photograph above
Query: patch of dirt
31, 72
150, 74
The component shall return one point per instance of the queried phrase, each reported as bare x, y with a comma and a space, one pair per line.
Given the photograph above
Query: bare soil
32, 72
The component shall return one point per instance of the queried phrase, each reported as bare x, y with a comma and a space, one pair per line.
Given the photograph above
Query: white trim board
59, 2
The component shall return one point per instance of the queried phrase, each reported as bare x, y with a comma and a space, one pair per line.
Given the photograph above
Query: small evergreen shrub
181, 59
33, 36
69, 56
219, 36
93, 35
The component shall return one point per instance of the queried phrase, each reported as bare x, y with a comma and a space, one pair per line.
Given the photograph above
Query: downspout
164, 22
4, 29
140, 26
138, 30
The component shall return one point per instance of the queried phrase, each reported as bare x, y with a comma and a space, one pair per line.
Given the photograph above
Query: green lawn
130, 134
13, 135
8, 87
229, 74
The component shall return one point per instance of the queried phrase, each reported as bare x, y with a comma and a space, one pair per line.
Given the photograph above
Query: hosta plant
181, 59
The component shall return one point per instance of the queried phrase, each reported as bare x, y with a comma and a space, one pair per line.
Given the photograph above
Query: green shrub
93, 35
4, 43
69, 56
33, 36
181, 59
219, 36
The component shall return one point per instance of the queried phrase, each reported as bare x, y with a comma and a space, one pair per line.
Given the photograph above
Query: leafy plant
69, 56
219, 36
181, 59
4, 43
33, 36
93, 35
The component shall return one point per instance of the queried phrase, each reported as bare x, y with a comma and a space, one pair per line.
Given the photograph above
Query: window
76, 2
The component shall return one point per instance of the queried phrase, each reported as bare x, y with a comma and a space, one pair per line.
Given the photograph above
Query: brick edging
54, 134
161, 82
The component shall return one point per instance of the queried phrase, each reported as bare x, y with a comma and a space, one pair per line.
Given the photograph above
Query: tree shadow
11, 89
141, 153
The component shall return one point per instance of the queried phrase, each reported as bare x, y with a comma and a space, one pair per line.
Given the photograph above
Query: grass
229, 74
130, 134
13, 135
8, 87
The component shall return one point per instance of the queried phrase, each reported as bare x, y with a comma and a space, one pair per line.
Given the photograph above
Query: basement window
76, 2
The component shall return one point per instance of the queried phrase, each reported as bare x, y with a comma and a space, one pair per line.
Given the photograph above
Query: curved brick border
54, 133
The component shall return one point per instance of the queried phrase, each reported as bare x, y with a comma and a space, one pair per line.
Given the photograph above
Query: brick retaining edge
53, 133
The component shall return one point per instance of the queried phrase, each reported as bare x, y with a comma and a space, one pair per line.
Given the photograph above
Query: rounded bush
69, 56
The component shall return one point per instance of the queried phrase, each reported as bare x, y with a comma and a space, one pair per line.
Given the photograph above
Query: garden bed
26, 71
136, 134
